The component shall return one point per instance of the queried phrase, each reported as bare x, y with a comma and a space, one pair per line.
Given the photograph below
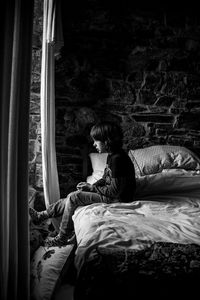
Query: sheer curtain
16, 17
52, 42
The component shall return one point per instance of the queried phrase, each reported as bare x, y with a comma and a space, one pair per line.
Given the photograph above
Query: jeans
66, 207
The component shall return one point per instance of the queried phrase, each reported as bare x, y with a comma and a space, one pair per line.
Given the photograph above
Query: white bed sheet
172, 215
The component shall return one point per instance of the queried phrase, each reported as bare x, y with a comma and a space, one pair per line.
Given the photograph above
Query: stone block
165, 101
189, 120
154, 118
32, 152
35, 104
38, 176
146, 97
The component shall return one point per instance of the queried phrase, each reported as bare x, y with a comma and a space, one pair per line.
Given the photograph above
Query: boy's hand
84, 186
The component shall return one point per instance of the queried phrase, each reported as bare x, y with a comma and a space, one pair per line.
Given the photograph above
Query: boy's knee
73, 196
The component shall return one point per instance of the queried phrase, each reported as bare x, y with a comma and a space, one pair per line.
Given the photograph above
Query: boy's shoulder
119, 156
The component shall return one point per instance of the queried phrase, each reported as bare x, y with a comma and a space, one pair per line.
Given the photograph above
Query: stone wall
35, 161
137, 65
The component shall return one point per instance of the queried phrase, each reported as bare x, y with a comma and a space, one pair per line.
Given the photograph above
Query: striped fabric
154, 159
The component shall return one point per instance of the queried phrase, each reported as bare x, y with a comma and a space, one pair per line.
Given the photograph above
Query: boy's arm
113, 190
101, 181
118, 181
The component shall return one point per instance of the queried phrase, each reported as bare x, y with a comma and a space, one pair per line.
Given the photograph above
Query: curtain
51, 44
16, 17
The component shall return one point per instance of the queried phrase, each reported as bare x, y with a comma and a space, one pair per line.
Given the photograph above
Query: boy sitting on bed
118, 184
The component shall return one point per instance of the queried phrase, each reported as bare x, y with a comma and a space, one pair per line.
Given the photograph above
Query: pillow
46, 267
155, 159
98, 162
172, 181
37, 234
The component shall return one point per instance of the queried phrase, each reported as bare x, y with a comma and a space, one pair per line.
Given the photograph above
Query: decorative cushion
98, 162
37, 234
46, 267
155, 159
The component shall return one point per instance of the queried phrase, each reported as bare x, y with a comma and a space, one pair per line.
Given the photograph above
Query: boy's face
100, 146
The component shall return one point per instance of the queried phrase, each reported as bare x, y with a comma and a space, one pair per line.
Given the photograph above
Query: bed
149, 248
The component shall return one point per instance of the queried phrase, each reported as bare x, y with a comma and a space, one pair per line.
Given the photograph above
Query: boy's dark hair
109, 133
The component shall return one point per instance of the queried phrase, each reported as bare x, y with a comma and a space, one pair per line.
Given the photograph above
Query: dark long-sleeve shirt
118, 181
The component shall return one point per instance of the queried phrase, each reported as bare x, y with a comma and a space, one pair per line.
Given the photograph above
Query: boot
60, 240
38, 217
